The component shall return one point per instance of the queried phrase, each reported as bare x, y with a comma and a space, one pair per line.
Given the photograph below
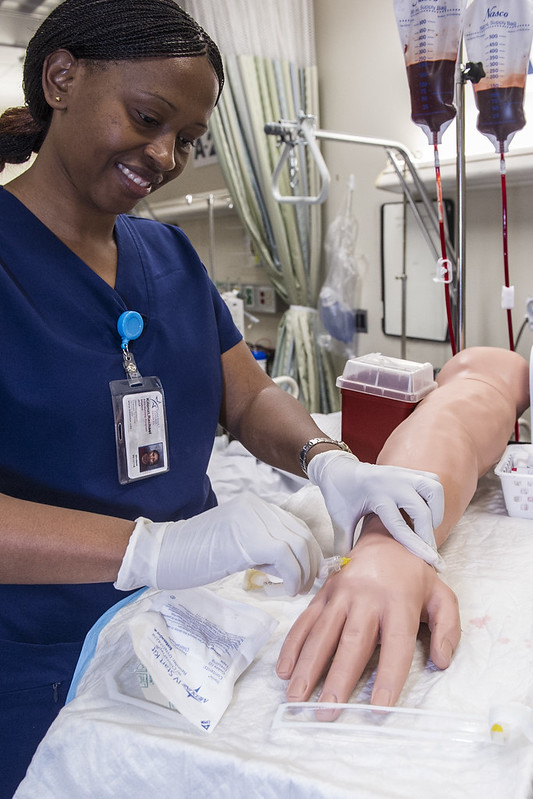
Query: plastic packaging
337, 298
500, 37
430, 34
379, 392
194, 645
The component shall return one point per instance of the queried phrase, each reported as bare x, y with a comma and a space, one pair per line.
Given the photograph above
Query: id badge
140, 428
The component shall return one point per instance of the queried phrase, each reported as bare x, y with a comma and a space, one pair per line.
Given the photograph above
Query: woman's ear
59, 71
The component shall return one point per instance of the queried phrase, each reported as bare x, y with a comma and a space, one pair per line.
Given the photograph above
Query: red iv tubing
446, 271
503, 171
505, 248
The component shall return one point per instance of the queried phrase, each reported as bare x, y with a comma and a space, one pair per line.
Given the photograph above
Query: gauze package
194, 645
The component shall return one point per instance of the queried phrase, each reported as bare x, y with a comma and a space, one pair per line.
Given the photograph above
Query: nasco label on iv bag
140, 428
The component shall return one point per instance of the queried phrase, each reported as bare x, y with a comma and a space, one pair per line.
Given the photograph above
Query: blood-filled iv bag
499, 35
430, 33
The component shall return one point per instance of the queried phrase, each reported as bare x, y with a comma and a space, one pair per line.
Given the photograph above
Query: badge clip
130, 326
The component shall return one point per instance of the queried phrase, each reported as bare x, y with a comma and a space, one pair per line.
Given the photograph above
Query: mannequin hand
381, 596
244, 532
352, 489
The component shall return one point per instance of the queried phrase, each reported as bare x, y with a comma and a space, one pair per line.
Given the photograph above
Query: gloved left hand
352, 489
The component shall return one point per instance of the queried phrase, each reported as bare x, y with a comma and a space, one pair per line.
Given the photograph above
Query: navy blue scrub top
59, 351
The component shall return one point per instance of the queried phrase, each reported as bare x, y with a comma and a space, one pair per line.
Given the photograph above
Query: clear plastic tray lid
389, 377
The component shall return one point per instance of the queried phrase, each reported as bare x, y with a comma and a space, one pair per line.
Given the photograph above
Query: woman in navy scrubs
117, 92
111, 121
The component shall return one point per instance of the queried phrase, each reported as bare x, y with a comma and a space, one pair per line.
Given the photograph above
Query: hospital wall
363, 91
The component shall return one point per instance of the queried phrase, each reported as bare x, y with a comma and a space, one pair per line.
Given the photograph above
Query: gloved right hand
242, 533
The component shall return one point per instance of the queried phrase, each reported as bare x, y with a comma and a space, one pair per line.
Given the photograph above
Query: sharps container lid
383, 376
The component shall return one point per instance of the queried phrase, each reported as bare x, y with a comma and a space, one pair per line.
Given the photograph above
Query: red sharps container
377, 394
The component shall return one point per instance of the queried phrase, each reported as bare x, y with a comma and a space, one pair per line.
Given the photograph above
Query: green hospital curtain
271, 74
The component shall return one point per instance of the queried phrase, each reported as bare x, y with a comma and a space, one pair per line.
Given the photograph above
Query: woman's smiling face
125, 128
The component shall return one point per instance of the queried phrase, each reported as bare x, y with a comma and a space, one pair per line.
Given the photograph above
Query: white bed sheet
101, 747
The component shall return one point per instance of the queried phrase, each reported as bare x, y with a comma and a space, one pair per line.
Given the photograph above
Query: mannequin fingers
399, 632
295, 639
358, 641
306, 656
445, 625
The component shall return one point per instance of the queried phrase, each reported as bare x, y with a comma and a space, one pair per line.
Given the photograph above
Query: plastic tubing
443, 245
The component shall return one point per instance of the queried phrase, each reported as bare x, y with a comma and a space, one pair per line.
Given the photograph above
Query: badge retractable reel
139, 413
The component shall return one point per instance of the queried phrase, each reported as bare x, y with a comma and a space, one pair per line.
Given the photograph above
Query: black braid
99, 30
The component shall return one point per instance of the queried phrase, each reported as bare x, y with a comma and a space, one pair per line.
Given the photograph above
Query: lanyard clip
130, 367
130, 326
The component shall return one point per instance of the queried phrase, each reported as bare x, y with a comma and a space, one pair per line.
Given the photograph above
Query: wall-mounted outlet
265, 299
248, 296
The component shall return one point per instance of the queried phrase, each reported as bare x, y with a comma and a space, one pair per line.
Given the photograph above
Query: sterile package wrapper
195, 646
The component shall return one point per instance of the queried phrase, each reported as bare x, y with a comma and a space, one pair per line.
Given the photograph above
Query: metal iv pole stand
460, 235
471, 71
304, 131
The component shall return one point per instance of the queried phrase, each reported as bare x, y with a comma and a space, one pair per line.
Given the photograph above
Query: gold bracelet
312, 442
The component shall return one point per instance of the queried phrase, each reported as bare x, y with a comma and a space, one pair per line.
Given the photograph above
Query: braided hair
98, 30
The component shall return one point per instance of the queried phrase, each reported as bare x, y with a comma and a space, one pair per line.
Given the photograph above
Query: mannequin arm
459, 431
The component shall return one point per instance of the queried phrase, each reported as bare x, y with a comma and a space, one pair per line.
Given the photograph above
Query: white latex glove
242, 533
352, 489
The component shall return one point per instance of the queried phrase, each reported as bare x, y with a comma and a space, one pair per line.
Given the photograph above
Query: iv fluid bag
430, 33
499, 35
336, 301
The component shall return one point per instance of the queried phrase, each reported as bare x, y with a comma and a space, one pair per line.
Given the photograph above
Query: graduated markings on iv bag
501, 111
431, 84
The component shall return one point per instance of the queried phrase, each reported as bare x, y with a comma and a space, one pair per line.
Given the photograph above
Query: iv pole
304, 131
460, 236
472, 72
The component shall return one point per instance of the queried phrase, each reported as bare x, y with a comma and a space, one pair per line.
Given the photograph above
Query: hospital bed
102, 746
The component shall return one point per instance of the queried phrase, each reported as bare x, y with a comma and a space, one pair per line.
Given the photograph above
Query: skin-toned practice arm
458, 431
